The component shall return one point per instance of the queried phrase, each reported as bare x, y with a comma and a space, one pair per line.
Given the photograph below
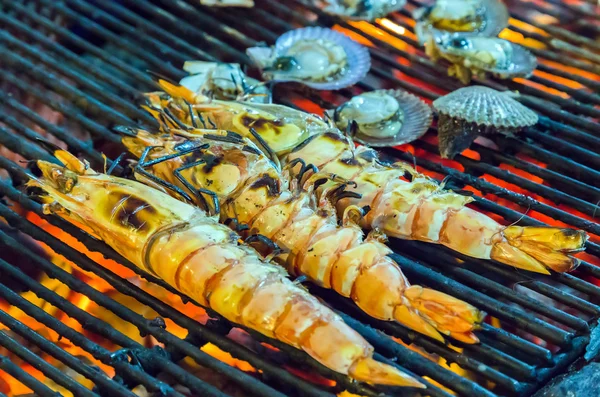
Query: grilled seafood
368, 10
471, 111
320, 58
422, 210
481, 55
282, 127
223, 81
385, 117
252, 191
486, 18
192, 252
443, 216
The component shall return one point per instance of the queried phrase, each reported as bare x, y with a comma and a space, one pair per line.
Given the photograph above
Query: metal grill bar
47, 369
16, 372
100, 379
54, 324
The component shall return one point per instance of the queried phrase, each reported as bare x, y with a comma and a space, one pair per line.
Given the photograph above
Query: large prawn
419, 209
192, 252
252, 191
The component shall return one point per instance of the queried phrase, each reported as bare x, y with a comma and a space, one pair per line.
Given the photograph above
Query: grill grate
90, 70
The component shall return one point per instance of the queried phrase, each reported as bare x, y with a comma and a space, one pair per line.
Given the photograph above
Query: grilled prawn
417, 210
201, 258
252, 191
423, 210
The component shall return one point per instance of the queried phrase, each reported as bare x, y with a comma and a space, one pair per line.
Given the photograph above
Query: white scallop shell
495, 15
357, 57
417, 119
378, 9
516, 62
487, 107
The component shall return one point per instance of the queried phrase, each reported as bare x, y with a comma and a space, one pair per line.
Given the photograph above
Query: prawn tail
540, 248
450, 316
369, 370
176, 90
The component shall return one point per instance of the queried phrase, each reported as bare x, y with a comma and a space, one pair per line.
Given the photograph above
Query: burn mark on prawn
262, 124
267, 181
210, 160
131, 211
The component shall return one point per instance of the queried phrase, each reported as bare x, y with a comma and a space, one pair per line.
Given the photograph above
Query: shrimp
251, 190
423, 210
417, 210
192, 252
281, 126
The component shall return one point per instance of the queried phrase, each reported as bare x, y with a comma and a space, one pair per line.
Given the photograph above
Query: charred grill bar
91, 67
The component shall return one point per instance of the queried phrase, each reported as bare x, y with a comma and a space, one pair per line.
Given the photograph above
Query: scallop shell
487, 107
378, 9
495, 15
357, 57
417, 119
521, 63
469, 112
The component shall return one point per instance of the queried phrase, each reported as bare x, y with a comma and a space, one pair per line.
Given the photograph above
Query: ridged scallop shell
487, 107
521, 63
376, 9
494, 13
358, 60
417, 119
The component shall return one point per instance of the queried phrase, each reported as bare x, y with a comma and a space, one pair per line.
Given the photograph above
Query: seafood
368, 10
227, 3
481, 55
318, 57
252, 191
422, 210
192, 252
486, 18
443, 216
471, 111
385, 117
223, 81
282, 127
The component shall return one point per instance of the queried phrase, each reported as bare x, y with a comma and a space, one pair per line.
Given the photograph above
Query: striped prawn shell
201, 258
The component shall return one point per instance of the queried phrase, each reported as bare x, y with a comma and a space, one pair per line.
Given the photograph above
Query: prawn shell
417, 119
495, 14
486, 106
199, 78
357, 56
338, 11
